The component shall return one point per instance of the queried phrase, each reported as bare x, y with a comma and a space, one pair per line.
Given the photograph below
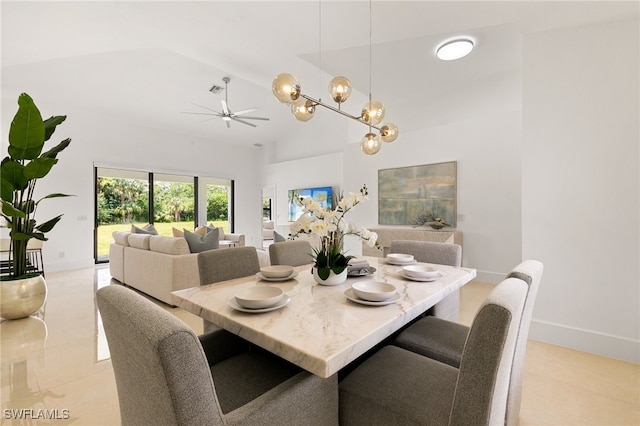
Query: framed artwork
407, 193
322, 195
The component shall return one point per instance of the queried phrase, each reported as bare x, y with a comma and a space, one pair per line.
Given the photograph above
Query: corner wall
581, 185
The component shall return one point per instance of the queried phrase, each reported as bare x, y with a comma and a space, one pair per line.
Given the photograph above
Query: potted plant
24, 290
330, 262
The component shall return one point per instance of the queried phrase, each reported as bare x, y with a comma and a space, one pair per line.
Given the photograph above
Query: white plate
392, 262
352, 296
262, 277
422, 279
283, 302
358, 273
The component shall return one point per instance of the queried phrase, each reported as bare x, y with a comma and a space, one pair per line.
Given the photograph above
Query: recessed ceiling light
454, 49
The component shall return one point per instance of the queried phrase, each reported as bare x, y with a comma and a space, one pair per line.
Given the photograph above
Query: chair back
160, 367
485, 369
530, 271
226, 264
292, 253
430, 252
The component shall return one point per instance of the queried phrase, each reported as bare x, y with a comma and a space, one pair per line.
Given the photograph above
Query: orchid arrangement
331, 227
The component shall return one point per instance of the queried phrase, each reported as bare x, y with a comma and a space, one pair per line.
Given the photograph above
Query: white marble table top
320, 330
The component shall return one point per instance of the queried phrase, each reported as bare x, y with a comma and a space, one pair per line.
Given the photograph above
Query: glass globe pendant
286, 88
370, 143
373, 112
303, 109
340, 89
389, 132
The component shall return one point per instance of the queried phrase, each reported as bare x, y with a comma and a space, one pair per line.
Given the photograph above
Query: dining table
317, 327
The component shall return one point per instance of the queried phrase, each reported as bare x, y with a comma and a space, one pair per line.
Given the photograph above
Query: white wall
581, 185
487, 152
97, 139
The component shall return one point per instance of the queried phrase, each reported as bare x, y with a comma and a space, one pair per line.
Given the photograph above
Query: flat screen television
322, 195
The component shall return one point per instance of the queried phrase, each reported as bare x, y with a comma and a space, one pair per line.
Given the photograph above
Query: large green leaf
50, 125
6, 190
48, 225
39, 167
56, 149
9, 210
26, 134
13, 173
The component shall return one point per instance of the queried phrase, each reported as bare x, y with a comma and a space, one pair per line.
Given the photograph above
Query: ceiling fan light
340, 89
286, 88
389, 132
370, 144
303, 109
454, 49
373, 112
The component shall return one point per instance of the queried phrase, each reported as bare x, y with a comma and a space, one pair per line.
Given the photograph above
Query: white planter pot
21, 298
333, 279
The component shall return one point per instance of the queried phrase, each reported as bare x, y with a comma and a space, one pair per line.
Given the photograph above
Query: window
127, 197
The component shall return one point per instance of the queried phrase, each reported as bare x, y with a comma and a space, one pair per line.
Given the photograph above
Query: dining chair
166, 375
397, 386
444, 340
292, 253
440, 253
226, 264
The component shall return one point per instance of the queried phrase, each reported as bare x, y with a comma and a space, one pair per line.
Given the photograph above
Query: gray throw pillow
211, 228
198, 243
147, 229
277, 238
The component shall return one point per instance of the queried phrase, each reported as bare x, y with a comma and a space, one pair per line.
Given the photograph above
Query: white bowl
400, 258
259, 297
276, 271
374, 291
420, 271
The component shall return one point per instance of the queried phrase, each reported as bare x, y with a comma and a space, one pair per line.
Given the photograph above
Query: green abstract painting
406, 193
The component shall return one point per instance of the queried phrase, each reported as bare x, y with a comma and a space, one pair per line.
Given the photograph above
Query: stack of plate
276, 273
400, 259
259, 299
373, 293
421, 273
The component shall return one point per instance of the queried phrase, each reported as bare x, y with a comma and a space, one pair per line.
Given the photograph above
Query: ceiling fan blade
225, 108
207, 108
217, 114
245, 111
246, 117
242, 121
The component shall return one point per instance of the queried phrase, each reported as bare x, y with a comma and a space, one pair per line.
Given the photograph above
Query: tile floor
57, 364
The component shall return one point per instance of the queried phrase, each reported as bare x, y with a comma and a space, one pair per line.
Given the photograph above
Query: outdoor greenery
127, 201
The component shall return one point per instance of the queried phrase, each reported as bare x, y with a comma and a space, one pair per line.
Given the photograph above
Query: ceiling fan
227, 115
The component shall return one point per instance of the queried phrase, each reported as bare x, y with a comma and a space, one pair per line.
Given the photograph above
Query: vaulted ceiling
148, 62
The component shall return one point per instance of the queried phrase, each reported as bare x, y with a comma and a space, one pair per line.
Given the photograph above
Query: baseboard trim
604, 344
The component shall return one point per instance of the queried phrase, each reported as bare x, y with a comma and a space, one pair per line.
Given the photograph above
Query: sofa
157, 265
267, 229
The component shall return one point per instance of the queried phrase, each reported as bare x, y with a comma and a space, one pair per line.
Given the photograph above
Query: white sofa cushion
140, 241
168, 245
121, 237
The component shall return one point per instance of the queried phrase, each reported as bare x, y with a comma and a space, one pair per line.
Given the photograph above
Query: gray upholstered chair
397, 386
444, 340
164, 376
443, 254
227, 264
292, 253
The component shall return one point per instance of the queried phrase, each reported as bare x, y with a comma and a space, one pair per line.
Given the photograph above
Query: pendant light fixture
287, 89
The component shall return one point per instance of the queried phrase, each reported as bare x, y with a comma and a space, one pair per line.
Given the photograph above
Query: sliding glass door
127, 197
